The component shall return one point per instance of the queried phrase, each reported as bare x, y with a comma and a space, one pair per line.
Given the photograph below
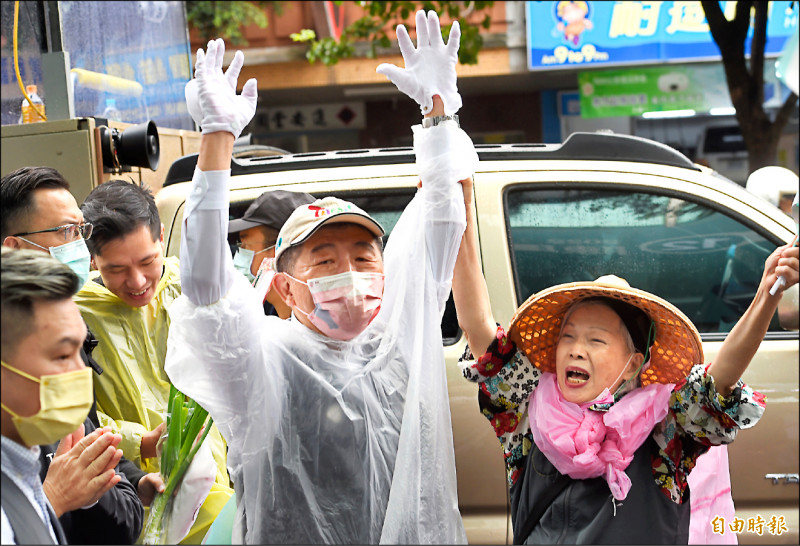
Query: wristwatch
436, 120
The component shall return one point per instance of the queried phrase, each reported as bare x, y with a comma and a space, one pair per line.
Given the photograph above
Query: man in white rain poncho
337, 420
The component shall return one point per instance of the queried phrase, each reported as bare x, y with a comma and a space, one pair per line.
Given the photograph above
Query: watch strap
433, 121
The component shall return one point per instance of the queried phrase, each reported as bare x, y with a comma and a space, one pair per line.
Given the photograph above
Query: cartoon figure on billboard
573, 19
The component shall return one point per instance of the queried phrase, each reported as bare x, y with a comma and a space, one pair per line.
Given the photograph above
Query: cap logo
327, 211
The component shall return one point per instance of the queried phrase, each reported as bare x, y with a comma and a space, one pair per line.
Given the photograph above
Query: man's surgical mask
64, 403
243, 261
75, 255
344, 304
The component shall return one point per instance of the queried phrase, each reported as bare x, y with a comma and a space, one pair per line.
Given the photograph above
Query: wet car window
704, 262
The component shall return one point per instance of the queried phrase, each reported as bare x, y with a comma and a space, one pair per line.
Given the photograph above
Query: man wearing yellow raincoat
126, 306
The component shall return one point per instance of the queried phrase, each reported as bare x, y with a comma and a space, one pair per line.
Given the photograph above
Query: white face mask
607, 391
344, 304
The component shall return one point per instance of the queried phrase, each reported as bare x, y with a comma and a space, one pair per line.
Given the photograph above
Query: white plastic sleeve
445, 155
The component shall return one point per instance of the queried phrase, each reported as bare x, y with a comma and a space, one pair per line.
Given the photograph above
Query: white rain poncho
331, 441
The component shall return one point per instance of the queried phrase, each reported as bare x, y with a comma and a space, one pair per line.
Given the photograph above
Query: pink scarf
583, 443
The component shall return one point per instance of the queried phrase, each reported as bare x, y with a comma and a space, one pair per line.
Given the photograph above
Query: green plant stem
184, 462
179, 451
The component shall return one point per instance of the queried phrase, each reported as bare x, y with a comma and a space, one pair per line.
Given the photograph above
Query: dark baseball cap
271, 209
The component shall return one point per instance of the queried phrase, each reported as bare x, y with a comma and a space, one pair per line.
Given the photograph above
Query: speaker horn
136, 146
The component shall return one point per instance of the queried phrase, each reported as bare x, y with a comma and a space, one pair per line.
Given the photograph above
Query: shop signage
314, 117
570, 34
634, 91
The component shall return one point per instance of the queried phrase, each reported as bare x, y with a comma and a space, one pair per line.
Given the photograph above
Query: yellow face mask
65, 400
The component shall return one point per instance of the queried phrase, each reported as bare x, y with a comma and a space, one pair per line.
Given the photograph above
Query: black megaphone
136, 146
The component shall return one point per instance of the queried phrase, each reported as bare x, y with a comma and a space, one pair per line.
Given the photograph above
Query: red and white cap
307, 219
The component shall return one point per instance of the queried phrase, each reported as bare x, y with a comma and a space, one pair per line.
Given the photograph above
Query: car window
385, 206
704, 262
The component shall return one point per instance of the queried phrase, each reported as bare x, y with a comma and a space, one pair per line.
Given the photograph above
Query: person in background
257, 231
776, 185
126, 306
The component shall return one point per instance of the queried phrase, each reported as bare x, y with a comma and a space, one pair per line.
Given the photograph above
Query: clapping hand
431, 67
211, 95
83, 469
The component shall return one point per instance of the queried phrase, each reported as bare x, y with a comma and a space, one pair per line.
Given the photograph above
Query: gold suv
547, 214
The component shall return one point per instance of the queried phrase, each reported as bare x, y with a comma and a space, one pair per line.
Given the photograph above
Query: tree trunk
746, 83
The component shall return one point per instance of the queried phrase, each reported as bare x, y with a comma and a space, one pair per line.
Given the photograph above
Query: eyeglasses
266, 244
71, 231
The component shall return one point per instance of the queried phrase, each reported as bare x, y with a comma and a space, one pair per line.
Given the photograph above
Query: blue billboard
568, 33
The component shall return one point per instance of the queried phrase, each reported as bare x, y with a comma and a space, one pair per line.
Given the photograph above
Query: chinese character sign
632, 92
317, 117
577, 33
756, 525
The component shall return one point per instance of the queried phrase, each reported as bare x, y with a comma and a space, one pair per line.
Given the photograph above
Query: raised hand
783, 262
211, 95
431, 67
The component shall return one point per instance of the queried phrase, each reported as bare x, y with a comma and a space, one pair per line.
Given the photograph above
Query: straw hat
536, 327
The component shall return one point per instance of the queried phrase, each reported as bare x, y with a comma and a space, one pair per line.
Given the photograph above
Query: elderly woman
601, 401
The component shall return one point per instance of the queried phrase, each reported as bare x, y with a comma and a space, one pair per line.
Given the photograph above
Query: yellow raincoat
133, 389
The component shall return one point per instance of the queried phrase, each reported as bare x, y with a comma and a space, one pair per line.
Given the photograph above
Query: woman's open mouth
575, 376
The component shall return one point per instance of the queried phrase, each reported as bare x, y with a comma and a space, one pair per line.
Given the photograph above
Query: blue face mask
243, 260
75, 255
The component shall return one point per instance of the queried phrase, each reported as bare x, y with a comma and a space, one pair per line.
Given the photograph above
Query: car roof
577, 146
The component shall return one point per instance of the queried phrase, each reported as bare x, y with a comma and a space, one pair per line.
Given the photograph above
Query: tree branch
757, 45
741, 21
785, 112
717, 23
730, 41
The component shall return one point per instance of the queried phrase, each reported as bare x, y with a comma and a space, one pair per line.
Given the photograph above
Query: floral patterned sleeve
506, 380
699, 417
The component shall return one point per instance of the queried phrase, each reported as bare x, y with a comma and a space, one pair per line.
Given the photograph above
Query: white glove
211, 96
431, 68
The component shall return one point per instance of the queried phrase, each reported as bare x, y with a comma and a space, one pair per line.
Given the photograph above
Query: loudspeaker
137, 146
